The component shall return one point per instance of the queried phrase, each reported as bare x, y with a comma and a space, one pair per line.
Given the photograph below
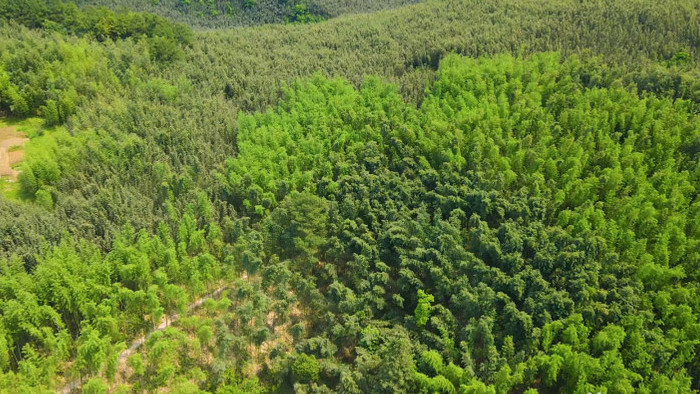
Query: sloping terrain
219, 14
448, 196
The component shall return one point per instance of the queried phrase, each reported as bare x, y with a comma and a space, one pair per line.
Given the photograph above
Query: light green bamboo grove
457, 197
546, 218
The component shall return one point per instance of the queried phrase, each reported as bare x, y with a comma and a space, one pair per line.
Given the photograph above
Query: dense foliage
229, 13
102, 23
509, 204
552, 218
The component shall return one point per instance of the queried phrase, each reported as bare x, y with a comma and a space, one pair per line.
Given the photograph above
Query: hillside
438, 197
230, 13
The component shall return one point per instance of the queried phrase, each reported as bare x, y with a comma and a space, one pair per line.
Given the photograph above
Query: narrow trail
165, 322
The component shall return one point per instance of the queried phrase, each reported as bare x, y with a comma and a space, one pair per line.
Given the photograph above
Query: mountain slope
521, 214
230, 13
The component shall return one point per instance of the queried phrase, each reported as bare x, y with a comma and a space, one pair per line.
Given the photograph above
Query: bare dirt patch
10, 138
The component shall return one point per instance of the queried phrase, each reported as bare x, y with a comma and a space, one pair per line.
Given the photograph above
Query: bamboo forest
356, 196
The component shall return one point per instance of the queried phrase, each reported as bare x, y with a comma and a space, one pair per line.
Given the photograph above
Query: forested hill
229, 13
449, 196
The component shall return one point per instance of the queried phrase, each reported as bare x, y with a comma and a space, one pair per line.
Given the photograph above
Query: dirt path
165, 322
9, 137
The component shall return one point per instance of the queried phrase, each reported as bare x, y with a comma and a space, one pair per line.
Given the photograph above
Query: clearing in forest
11, 151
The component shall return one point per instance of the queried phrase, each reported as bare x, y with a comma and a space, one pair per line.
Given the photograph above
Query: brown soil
10, 137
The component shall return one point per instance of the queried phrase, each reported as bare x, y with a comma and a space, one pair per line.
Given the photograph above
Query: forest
318, 196
213, 14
